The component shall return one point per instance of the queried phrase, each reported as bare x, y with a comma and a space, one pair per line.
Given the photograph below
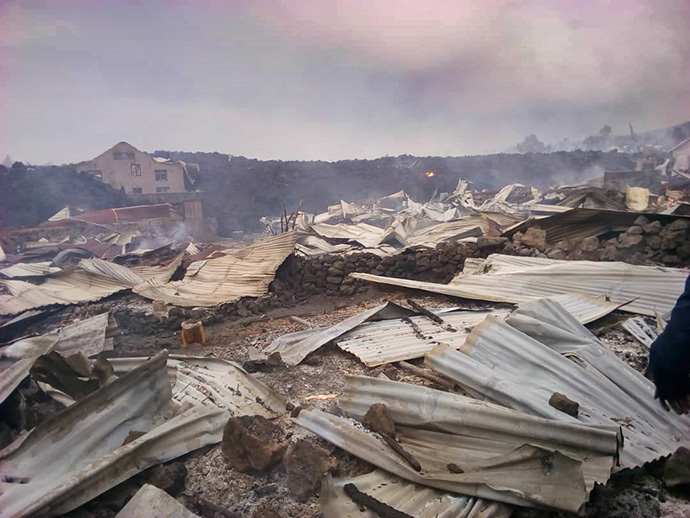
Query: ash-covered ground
205, 483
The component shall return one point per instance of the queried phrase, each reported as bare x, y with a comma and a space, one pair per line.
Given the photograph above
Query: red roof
128, 214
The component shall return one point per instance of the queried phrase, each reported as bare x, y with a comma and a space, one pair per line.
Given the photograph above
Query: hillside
238, 190
29, 196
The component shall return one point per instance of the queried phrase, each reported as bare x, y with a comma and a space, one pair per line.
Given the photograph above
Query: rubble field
478, 355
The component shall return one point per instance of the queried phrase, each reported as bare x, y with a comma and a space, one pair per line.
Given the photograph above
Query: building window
136, 190
119, 155
136, 169
96, 173
161, 175
162, 189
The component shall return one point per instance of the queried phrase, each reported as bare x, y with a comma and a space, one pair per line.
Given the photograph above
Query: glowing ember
430, 174
322, 397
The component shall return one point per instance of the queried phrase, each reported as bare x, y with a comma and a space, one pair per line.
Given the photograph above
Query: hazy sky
320, 79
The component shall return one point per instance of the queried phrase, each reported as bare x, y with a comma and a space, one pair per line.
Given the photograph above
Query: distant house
681, 155
125, 167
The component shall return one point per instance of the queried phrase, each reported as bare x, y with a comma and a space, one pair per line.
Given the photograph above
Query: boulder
635, 230
491, 242
677, 468
347, 289
564, 245
590, 244
535, 237
335, 272
679, 224
653, 241
629, 240
683, 251
305, 464
252, 443
641, 221
652, 228
557, 253
423, 262
610, 253
669, 241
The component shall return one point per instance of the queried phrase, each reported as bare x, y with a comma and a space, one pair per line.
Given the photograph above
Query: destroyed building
472, 354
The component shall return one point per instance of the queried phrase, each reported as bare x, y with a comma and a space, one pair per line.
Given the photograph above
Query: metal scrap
91, 458
414, 499
633, 288
543, 349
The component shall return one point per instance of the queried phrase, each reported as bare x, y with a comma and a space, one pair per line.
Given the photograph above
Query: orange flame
430, 174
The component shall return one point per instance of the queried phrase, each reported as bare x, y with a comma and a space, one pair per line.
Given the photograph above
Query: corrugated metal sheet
640, 331
293, 352
151, 501
206, 381
246, 272
387, 341
643, 289
450, 231
366, 235
540, 209
438, 428
30, 270
88, 337
485, 429
313, 245
545, 350
92, 457
580, 223
95, 280
591, 198
407, 497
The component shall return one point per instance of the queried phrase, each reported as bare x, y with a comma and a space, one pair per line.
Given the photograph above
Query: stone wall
329, 273
296, 280
645, 243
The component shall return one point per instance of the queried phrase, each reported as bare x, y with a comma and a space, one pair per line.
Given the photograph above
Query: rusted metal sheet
244, 272
130, 214
30, 270
94, 280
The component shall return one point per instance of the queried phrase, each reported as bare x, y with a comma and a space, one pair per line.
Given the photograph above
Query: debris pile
500, 390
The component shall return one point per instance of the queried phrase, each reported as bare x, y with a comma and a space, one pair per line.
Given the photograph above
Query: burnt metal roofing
541, 350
